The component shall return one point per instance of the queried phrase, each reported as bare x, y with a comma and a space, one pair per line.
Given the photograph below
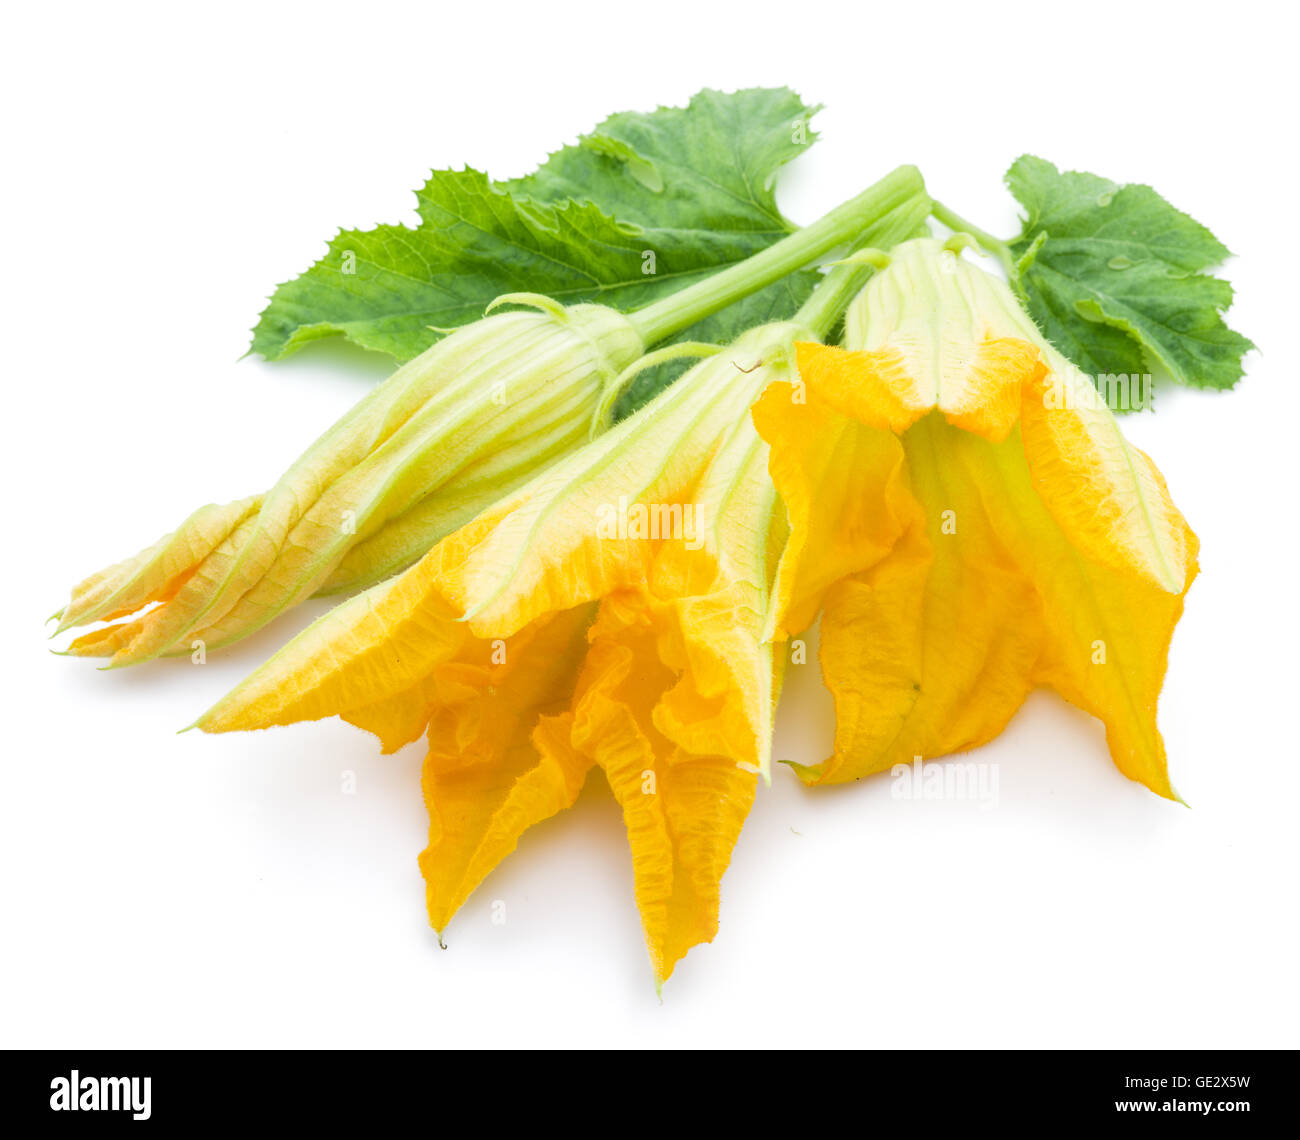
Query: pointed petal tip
210, 723
68, 617
73, 650
809, 774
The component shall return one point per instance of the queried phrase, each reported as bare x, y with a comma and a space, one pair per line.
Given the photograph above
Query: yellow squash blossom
1041, 548
611, 613
468, 421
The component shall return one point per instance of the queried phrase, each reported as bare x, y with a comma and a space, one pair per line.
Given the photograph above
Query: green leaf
679, 191
1113, 276
693, 170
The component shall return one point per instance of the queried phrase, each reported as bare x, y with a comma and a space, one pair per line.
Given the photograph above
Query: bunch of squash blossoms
539, 591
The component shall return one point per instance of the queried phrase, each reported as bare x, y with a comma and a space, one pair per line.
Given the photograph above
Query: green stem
842, 283
831, 297
841, 225
996, 247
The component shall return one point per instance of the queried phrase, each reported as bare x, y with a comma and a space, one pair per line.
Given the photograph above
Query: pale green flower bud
477, 414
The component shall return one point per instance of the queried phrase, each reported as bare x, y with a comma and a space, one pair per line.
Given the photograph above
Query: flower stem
842, 225
842, 282
985, 240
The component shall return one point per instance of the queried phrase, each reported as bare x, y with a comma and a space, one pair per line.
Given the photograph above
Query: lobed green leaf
644, 205
1112, 274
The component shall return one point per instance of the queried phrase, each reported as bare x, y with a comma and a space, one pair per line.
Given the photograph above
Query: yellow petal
478, 811
499, 758
708, 598
877, 388
155, 574
683, 813
825, 465
161, 629
1105, 494
932, 650
452, 696
677, 695
1108, 623
373, 647
936, 332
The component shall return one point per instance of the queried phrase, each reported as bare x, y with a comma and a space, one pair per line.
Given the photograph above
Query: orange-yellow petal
683, 813
499, 758
1105, 494
825, 466
157, 573
932, 650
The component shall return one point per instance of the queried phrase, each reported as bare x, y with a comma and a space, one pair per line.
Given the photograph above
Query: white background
166, 166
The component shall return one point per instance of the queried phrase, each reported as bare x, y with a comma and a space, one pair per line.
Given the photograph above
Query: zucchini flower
611, 613
1040, 547
470, 420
